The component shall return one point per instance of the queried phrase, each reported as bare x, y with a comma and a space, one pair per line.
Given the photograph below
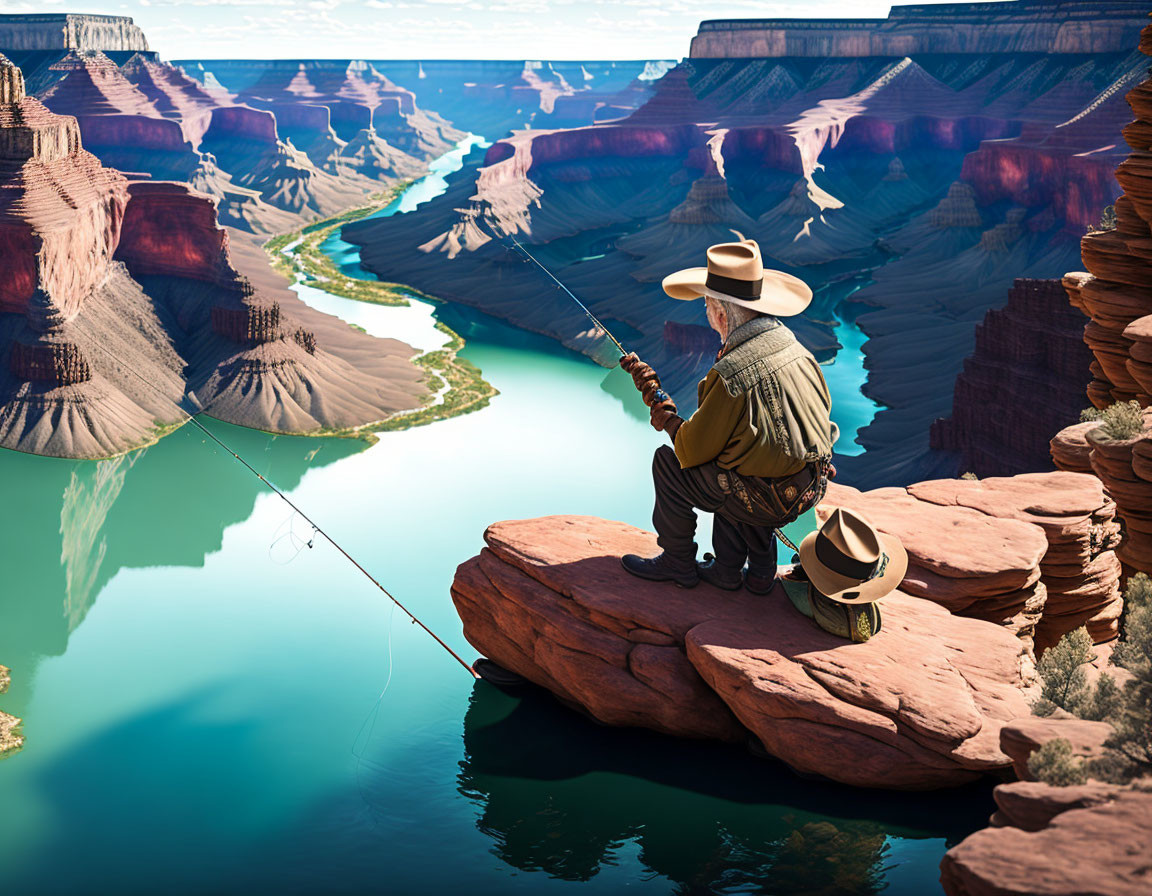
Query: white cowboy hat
848, 561
736, 274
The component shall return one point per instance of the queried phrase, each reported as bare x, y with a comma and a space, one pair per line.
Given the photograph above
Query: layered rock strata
1022, 384
1115, 292
1022, 26
972, 564
1079, 570
918, 706
121, 299
1124, 466
66, 31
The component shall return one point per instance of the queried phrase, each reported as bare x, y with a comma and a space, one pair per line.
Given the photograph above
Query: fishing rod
660, 394
315, 528
592, 317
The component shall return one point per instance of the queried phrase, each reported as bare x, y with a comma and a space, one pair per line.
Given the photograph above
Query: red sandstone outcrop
1022, 737
1024, 382
972, 564
1079, 570
1097, 844
1044, 839
121, 298
918, 706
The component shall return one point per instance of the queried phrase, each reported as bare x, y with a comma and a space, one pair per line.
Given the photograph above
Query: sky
438, 29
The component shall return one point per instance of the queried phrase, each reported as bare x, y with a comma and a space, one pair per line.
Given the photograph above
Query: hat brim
845, 589
781, 294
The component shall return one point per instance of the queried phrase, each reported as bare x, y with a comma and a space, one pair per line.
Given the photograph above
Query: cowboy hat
848, 561
736, 274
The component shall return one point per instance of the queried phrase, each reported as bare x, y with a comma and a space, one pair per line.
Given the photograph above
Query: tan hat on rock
736, 274
848, 561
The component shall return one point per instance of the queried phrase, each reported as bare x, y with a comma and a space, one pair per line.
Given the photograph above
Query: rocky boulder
969, 562
918, 706
1080, 570
1099, 849
10, 739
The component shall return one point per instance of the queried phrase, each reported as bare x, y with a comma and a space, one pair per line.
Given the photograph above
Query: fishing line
297, 541
283, 497
373, 714
592, 317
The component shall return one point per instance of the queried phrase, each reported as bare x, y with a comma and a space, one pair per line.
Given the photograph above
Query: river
211, 705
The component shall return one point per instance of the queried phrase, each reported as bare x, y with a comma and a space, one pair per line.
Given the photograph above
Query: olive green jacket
764, 406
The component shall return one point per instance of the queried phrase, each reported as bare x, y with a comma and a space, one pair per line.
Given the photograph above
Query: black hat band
841, 564
740, 289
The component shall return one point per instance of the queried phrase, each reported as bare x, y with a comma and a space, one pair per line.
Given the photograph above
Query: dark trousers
737, 535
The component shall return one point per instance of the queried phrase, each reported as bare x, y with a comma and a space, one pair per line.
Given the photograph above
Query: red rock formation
1022, 384
117, 294
973, 564
53, 196
918, 706
198, 249
1115, 293
1097, 844
1080, 570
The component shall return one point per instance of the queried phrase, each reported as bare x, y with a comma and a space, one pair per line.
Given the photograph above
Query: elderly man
757, 452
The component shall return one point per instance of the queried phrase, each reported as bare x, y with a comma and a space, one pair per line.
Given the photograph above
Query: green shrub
1054, 764
1107, 221
970, 476
1121, 421
1089, 415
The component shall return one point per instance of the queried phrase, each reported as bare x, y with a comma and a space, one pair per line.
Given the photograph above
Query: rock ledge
919, 706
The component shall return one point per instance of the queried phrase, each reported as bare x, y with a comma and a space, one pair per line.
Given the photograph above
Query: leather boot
759, 582
662, 568
729, 578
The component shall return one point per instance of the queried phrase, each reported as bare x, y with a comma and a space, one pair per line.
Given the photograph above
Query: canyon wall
341, 141
487, 97
1020, 26
122, 301
65, 31
1022, 384
909, 192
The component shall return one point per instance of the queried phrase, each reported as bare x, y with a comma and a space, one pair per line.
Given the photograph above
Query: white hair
737, 315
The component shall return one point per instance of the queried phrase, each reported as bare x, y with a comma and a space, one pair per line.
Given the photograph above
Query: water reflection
560, 795
167, 505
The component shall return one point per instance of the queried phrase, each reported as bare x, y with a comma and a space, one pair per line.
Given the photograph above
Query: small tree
1065, 682
1131, 742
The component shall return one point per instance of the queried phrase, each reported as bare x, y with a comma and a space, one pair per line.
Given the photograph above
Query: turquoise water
211, 706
